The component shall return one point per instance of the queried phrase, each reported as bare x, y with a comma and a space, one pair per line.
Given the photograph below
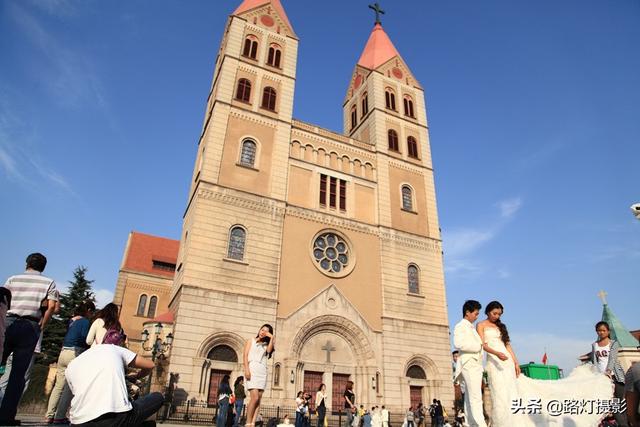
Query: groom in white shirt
469, 363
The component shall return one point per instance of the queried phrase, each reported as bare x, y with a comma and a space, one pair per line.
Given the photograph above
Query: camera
635, 208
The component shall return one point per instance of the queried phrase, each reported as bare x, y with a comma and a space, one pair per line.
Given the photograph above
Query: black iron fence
270, 416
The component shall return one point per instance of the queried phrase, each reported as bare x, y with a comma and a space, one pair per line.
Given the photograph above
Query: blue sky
534, 124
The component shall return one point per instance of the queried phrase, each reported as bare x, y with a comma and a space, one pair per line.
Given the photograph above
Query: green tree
79, 291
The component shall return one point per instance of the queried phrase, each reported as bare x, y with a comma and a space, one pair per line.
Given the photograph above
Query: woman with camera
256, 352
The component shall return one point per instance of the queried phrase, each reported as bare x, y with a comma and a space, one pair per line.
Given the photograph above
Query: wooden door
416, 395
312, 381
337, 392
214, 383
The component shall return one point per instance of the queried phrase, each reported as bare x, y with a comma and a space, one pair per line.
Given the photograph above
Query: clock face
267, 20
397, 73
358, 81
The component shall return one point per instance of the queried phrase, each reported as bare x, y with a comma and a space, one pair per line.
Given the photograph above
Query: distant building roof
618, 331
163, 318
151, 254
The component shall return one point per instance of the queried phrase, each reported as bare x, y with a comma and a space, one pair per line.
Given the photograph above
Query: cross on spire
603, 296
328, 348
376, 8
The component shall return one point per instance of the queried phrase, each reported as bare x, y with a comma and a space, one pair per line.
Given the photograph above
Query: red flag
544, 358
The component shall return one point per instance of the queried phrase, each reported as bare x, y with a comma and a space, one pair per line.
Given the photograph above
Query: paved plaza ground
37, 420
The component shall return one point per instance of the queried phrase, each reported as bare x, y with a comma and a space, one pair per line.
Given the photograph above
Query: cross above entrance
376, 8
328, 348
603, 297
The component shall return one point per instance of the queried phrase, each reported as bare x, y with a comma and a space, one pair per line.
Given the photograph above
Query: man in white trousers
469, 363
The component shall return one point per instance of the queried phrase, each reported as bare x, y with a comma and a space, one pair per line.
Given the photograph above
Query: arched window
354, 117
407, 198
269, 98
416, 372
408, 106
365, 104
413, 278
237, 238
274, 56
153, 303
276, 375
250, 48
248, 154
223, 353
142, 304
243, 93
412, 147
390, 99
392, 135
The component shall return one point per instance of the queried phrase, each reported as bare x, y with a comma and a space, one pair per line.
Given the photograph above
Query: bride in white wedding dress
577, 395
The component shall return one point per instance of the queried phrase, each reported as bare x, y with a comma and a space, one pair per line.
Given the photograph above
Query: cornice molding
250, 117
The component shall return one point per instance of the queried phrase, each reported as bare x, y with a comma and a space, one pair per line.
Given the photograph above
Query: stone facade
249, 250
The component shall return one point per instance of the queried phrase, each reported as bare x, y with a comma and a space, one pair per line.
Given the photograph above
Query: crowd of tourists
90, 382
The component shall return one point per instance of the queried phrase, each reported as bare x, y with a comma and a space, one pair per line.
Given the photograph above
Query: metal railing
202, 413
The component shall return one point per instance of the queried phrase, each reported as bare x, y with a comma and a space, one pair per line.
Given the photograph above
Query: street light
635, 208
158, 348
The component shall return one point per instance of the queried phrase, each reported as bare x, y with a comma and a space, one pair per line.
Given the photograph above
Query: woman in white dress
256, 352
512, 394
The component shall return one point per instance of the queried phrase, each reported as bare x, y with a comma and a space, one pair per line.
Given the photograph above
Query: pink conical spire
252, 4
379, 49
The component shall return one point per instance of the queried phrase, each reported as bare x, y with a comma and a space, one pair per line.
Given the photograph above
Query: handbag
232, 399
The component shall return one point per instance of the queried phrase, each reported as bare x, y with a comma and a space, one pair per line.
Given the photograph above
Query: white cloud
8, 164
463, 268
463, 241
19, 157
503, 273
509, 207
461, 244
58, 8
561, 351
70, 75
103, 297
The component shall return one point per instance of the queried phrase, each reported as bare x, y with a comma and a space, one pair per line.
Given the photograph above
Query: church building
332, 238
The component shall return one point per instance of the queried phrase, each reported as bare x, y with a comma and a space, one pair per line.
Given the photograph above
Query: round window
331, 254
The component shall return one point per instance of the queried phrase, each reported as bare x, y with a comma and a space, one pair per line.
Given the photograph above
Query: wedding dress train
573, 401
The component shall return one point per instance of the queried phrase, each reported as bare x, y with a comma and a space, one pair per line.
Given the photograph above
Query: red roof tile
143, 249
164, 318
252, 4
379, 49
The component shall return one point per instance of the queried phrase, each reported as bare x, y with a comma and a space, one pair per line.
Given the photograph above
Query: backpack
432, 410
113, 336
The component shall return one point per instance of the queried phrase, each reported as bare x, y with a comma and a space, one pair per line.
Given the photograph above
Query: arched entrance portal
332, 350
220, 354
420, 372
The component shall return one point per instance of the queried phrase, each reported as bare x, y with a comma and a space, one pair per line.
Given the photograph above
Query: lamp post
158, 348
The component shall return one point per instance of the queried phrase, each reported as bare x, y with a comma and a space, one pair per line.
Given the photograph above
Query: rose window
331, 253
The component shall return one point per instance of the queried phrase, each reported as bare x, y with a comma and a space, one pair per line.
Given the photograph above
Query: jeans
322, 411
349, 417
143, 408
299, 419
21, 338
239, 405
4, 380
223, 410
